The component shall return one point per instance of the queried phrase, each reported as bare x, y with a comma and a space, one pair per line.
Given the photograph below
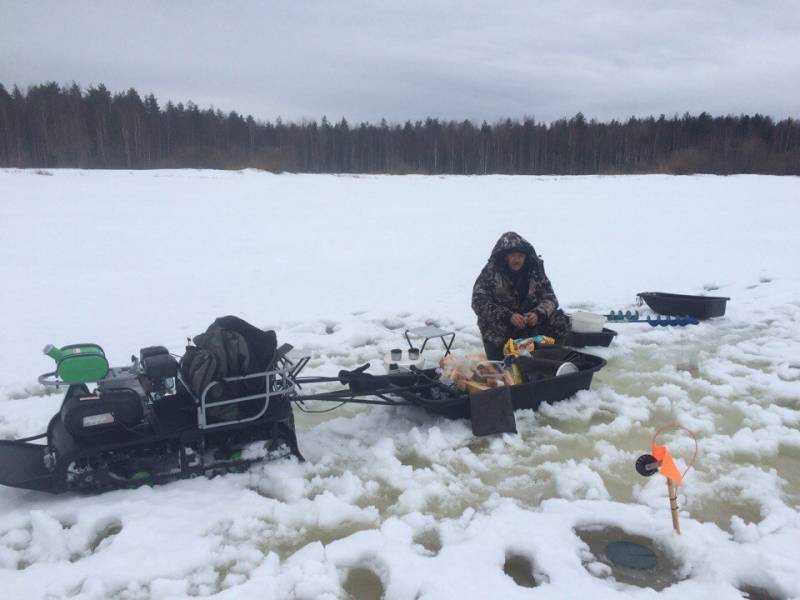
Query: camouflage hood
498, 293
511, 241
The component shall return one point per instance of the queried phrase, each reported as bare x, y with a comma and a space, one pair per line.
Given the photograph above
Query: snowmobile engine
123, 398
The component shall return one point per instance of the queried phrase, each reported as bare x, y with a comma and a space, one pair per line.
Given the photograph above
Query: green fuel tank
78, 363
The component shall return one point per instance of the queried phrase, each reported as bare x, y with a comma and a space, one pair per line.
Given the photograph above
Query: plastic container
586, 322
78, 363
699, 307
576, 339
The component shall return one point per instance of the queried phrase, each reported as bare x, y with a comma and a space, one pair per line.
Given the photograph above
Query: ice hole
664, 574
362, 584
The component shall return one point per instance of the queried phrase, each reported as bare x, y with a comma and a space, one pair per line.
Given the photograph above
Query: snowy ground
395, 501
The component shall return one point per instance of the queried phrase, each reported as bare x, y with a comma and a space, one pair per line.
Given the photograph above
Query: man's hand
532, 319
517, 320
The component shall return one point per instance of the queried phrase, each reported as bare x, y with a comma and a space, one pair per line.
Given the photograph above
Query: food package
526, 346
473, 387
473, 372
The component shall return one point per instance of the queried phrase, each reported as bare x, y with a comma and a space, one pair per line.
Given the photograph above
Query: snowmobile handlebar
50, 380
345, 377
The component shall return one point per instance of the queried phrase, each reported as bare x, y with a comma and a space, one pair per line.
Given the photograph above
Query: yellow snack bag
516, 373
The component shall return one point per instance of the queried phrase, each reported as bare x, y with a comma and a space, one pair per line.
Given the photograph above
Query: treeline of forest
65, 126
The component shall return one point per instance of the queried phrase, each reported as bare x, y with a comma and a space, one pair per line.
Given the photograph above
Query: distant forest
66, 126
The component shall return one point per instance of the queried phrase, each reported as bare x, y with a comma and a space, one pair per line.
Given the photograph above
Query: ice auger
662, 321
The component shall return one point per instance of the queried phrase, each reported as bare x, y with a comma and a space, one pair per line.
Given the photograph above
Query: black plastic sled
425, 390
699, 307
577, 339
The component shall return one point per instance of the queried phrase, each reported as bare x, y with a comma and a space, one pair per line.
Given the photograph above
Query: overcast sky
365, 60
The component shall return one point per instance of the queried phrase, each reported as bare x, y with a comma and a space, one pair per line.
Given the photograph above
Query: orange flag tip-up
668, 468
661, 459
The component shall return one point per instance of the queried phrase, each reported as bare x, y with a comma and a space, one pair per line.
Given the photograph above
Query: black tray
699, 307
576, 339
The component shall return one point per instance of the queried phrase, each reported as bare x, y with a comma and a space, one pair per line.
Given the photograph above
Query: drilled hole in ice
665, 573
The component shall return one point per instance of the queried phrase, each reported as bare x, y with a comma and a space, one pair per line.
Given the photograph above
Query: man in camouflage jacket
513, 297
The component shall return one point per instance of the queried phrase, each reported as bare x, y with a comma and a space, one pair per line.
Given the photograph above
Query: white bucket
566, 368
586, 322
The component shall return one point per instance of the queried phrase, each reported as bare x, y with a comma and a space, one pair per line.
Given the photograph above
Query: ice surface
394, 502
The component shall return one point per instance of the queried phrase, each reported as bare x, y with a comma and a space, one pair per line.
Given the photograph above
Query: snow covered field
395, 501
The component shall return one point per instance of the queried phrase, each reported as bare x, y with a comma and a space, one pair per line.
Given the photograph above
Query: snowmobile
157, 420
143, 424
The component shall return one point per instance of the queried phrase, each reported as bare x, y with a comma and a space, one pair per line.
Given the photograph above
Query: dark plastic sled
553, 389
22, 465
576, 339
456, 405
699, 307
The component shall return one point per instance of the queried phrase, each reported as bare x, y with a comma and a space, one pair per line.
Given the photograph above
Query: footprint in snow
520, 569
363, 584
430, 541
